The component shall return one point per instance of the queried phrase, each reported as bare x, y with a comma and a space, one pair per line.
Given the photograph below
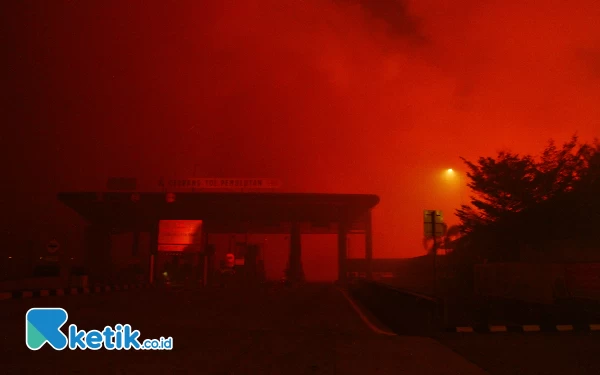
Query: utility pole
431, 224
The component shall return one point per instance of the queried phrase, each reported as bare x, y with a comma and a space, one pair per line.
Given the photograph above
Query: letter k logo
43, 325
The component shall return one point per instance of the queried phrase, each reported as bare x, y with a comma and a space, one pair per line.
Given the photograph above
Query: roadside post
433, 221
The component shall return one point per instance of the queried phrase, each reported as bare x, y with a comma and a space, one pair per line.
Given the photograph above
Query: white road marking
5, 295
363, 316
531, 328
564, 327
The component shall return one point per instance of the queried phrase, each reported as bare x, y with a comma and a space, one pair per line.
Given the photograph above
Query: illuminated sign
179, 248
222, 183
179, 235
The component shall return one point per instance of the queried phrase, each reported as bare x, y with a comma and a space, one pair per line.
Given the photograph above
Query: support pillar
342, 251
135, 248
206, 257
295, 273
153, 252
98, 258
369, 246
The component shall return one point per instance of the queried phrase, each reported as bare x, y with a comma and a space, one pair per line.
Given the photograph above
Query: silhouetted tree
520, 201
447, 242
451, 238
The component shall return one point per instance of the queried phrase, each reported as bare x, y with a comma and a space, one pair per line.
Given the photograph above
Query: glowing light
452, 175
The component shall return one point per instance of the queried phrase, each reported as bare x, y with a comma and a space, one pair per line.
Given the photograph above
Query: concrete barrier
33, 283
49, 292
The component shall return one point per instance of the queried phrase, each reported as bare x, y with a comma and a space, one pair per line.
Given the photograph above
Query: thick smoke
328, 96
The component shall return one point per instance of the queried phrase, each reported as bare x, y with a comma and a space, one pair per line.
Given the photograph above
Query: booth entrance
179, 269
179, 258
194, 259
244, 263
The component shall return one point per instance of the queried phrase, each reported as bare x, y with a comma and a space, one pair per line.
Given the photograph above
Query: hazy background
329, 96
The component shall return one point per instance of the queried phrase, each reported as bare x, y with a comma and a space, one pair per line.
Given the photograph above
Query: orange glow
326, 96
179, 235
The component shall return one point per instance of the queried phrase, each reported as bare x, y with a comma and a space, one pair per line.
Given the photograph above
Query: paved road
529, 353
311, 329
276, 330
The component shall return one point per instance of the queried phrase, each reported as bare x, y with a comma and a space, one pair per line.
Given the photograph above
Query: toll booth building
204, 239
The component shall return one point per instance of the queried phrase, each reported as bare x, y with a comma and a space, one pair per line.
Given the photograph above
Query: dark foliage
522, 202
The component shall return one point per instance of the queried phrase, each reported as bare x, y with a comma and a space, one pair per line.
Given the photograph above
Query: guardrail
408, 312
563, 311
403, 311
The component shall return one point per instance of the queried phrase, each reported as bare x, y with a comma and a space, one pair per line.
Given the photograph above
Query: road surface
311, 329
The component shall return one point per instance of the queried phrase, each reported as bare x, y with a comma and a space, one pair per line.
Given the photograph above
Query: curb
526, 328
25, 294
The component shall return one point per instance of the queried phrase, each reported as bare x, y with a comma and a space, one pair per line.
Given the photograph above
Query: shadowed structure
268, 213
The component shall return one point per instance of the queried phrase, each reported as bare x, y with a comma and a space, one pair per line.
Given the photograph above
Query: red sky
328, 96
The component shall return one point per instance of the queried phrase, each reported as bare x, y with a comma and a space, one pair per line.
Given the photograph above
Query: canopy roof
223, 211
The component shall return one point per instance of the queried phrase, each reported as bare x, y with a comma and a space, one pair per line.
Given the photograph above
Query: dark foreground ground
311, 329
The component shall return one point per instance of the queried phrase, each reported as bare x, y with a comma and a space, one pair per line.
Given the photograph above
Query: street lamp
452, 174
